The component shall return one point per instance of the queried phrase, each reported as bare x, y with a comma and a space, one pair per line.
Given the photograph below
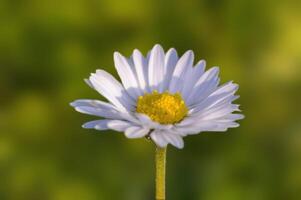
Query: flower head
161, 96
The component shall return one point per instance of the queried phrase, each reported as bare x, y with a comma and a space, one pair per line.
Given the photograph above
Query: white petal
109, 114
111, 89
97, 124
92, 103
180, 70
88, 82
98, 112
119, 125
105, 124
147, 122
174, 139
97, 108
141, 69
233, 117
136, 132
205, 85
156, 68
223, 101
223, 94
210, 112
226, 88
127, 75
213, 120
171, 59
163, 138
196, 127
187, 121
221, 123
158, 138
192, 78
218, 112
223, 126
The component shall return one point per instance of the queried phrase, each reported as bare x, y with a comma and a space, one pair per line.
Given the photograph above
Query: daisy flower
162, 97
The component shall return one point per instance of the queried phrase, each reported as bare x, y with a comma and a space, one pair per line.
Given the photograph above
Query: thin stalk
160, 173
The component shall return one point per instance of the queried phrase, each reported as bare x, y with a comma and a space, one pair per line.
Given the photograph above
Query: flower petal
97, 124
192, 78
101, 109
127, 74
97, 108
111, 114
119, 125
105, 124
174, 139
147, 122
218, 112
163, 138
195, 128
171, 59
218, 123
92, 103
180, 70
156, 68
233, 117
205, 85
158, 138
88, 82
141, 69
112, 90
136, 132
224, 94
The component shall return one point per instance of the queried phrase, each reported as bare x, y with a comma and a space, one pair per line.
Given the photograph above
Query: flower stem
160, 173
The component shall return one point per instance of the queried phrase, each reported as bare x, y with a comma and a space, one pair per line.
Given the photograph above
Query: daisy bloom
162, 97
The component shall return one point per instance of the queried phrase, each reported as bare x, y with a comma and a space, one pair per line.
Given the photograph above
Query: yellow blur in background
48, 47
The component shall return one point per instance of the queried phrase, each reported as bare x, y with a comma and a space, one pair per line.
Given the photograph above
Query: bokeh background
47, 48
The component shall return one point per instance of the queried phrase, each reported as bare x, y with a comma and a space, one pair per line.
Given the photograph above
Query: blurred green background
47, 48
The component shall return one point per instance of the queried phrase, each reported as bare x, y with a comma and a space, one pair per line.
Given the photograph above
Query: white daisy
162, 97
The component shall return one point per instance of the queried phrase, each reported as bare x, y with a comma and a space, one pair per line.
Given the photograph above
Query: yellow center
164, 108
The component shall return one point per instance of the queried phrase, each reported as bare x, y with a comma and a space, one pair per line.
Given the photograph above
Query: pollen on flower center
164, 108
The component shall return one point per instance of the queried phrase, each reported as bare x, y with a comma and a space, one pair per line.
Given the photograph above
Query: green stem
160, 173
